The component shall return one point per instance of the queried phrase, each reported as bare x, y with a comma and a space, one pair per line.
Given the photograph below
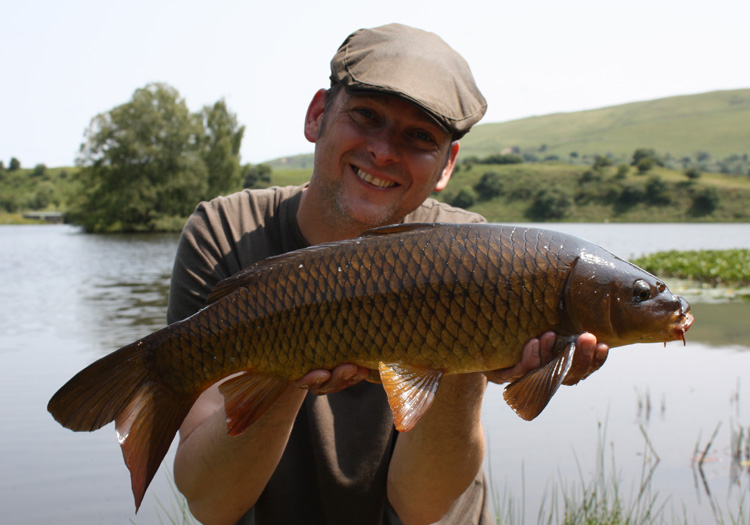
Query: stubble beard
340, 212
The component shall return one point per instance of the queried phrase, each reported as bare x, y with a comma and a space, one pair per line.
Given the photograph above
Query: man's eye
423, 136
365, 113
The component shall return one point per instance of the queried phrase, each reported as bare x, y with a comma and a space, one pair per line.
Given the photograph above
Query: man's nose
383, 145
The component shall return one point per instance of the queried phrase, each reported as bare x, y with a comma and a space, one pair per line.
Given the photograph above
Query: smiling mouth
370, 179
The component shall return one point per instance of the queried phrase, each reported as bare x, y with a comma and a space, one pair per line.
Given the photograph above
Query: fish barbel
411, 302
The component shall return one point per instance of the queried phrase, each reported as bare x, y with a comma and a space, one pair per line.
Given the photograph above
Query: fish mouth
683, 320
372, 179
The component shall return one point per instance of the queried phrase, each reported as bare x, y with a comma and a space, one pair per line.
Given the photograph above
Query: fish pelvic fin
119, 387
411, 391
530, 394
247, 396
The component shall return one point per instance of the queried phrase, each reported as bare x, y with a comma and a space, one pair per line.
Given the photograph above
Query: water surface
68, 298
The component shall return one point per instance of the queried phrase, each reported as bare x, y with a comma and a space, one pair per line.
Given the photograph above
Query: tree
39, 170
693, 173
150, 160
222, 137
14, 165
256, 175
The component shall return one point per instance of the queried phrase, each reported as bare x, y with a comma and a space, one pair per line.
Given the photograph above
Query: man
385, 137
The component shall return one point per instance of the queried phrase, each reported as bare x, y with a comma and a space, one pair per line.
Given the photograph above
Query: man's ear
445, 176
314, 116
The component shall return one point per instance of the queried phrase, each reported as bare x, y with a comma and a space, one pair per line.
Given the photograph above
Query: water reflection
719, 324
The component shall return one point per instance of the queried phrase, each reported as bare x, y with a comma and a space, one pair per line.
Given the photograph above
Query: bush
549, 204
657, 191
630, 195
705, 201
601, 162
645, 153
644, 164
489, 186
693, 173
465, 198
508, 158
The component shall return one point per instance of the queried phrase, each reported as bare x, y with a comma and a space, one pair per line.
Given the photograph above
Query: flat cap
415, 65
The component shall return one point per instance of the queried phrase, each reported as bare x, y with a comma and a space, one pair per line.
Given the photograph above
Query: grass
175, 511
601, 498
716, 122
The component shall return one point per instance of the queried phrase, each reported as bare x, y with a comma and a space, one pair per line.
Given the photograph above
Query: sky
62, 63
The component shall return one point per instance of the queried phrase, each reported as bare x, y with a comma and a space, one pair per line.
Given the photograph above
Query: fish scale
412, 302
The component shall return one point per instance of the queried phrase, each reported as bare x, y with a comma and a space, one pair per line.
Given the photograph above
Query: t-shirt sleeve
197, 268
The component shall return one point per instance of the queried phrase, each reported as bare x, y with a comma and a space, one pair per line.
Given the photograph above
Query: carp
410, 302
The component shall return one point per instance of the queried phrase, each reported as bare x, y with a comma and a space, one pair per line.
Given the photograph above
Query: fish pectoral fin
247, 396
529, 395
411, 391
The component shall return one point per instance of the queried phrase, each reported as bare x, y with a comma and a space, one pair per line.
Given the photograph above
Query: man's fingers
328, 382
589, 356
532, 356
546, 347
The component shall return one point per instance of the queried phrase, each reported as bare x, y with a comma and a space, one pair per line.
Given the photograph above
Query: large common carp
412, 302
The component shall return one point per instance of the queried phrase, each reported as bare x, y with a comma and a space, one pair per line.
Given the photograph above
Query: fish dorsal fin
230, 284
247, 396
530, 394
411, 391
401, 228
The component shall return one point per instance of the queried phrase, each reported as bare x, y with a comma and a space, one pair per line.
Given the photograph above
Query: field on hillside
717, 123
556, 191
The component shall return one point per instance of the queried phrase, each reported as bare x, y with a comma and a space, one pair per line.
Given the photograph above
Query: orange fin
530, 394
247, 396
400, 228
411, 391
119, 387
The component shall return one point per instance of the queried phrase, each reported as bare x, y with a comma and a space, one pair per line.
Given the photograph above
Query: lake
69, 298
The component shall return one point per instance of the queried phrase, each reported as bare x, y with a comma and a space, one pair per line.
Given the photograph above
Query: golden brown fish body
413, 302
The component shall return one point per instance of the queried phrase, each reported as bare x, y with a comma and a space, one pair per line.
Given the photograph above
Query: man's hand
588, 358
327, 382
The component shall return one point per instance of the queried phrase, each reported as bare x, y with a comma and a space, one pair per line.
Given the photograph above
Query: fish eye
641, 290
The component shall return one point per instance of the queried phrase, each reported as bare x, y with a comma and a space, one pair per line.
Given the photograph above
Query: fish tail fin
119, 387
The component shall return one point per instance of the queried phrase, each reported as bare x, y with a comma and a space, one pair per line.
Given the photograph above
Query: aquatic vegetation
715, 267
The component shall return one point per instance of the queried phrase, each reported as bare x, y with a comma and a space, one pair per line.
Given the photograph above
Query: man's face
377, 158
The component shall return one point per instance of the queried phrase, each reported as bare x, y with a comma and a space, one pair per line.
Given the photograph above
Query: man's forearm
435, 462
222, 476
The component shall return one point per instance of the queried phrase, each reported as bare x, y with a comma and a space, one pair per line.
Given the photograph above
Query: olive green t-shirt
334, 468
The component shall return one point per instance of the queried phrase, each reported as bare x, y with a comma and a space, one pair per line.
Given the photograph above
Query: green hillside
713, 125
717, 123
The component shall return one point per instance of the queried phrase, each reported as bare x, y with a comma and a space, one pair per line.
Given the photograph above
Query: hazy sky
63, 62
